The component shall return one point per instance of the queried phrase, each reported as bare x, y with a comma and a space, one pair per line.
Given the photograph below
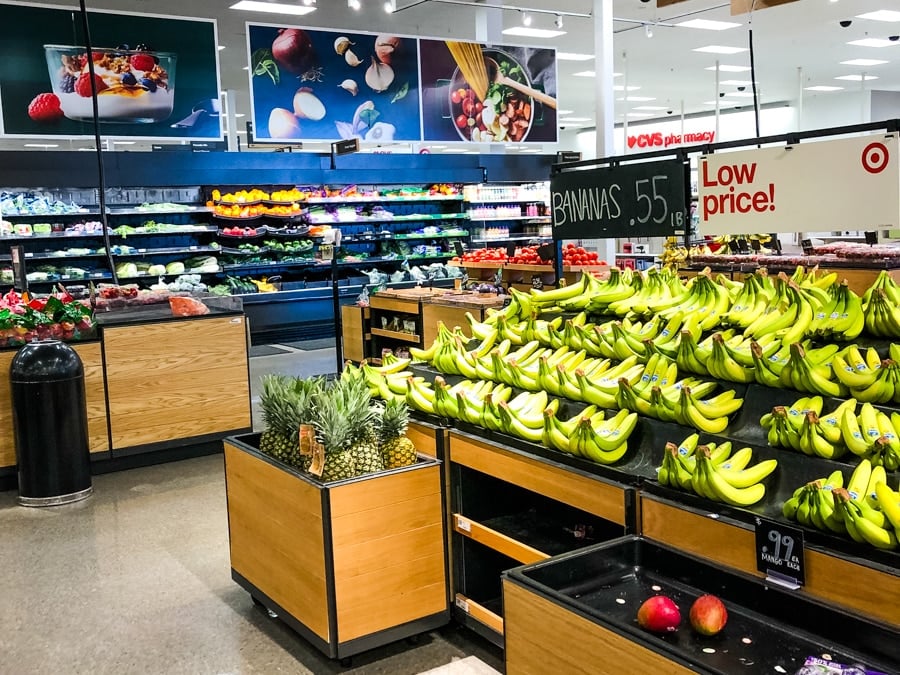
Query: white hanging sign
843, 184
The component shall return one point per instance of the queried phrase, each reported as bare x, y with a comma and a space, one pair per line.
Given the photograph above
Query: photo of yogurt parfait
133, 85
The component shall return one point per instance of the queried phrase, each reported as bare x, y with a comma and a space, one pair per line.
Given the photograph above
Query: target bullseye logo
875, 157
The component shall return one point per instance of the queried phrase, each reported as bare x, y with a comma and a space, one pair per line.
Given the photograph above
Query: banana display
868, 510
869, 434
713, 472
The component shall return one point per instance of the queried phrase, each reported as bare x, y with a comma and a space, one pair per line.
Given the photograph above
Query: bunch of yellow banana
443, 337
710, 415
842, 317
812, 373
617, 286
884, 281
790, 312
813, 504
656, 290
751, 302
589, 435
803, 427
882, 316
711, 471
706, 300
872, 435
389, 379
673, 252
865, 524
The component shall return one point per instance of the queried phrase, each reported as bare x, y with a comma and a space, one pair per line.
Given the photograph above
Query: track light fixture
648, 30
559, 21
354, 4
390, 6
526, 19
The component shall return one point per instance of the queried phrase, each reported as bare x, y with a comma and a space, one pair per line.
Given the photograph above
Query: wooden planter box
350, 565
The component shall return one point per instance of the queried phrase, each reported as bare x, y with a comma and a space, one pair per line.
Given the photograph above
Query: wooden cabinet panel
7, 436
388, 547
863, 589
539, 636
450, 316
354, 325
563, 485
424, 438
91, 355
176, 380
276, 536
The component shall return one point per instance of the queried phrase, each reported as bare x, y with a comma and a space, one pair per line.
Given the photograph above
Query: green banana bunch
854, 370
555, 296
812, 504
710, 416
872, 435
884, 281
749, 303
723, 365
802, 373
590, 435
882, 315
885, 388
865, 525
603, 293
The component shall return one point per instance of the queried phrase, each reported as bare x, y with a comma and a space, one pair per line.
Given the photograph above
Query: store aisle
136, 580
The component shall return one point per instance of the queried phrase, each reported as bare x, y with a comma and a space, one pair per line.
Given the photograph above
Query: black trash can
50, 422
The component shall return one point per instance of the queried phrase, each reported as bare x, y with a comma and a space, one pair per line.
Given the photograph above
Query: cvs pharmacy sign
661, 140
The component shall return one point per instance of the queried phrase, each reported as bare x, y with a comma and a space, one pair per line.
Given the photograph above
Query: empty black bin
50, 422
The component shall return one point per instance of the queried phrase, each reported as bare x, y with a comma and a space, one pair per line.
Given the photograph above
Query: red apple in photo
708, 615
659, 614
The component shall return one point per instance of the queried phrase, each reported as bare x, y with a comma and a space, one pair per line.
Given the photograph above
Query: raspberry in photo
45, 108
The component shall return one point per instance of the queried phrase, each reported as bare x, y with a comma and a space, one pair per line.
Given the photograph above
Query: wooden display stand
451, 309
839, 581
350, 565
355, 332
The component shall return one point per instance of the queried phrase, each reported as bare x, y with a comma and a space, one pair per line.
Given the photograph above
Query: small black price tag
806, 245
779, 553
755, 245
458, 248
871, 238
537, 281
775, 243
20, 276
546, 252
510, 250
743, 246
733, 246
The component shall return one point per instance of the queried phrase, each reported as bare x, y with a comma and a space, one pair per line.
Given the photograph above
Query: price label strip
780, 553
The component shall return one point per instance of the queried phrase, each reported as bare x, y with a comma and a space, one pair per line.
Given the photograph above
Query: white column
228, 106
604, 98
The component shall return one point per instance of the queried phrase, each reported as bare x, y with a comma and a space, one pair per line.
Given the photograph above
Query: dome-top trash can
50, 422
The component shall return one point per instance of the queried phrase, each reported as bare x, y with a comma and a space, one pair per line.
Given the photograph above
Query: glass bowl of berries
133, 85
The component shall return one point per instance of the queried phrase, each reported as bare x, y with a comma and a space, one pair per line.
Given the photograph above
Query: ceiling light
719, 49
123, 142
559, 21
576, 119
823, 87
221, 47
239, 115
563, 113
246, 68
526, 19
354, 4
572, 56
635, 114
272, 7
706, 24
525, 31
309, 3
390, 6
650, 107
856, 78
620, 87
437, 147
736, 83
648, 30
864, 62
722, 102
881, 15
730, 69
638, 99
41, 145
585, 73
872, 42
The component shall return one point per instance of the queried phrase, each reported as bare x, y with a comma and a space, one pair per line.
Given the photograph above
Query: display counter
154, 382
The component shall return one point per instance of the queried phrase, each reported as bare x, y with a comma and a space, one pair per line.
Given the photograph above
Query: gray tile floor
136, 579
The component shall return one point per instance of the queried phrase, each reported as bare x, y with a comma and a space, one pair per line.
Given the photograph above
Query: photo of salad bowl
133, 85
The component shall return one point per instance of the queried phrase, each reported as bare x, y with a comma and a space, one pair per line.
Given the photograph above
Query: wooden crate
350, 565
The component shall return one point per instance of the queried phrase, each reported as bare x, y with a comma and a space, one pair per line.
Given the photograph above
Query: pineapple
396, 449
335, 431
287, 403
361, 411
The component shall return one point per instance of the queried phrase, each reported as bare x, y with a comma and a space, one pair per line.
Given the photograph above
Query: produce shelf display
651, 379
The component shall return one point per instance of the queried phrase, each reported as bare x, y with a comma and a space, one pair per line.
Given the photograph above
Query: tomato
462, 121
471, 94
454, 96
580, 250
570, 246
468, 107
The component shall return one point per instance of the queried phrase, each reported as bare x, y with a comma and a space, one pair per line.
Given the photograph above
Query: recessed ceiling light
719, 49
638, 99
563, 113
722, 102
246, 68
239, 114
881, 15
706, 24
575, 119
730, 69
41, 145
864, 62
221, 47
585, 73
873, 42
637, 114
528, 31
736, 83
272, 7
650, 107
621, 87
823, 87
572, 56
856, 78
123, 142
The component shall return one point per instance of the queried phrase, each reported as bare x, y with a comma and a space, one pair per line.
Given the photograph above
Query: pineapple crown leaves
287, 402
394, 419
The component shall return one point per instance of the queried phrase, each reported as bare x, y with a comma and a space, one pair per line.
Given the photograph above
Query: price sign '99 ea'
632, 200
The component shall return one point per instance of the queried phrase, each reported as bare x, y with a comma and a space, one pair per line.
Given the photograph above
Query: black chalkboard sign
779, 551
631, 200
